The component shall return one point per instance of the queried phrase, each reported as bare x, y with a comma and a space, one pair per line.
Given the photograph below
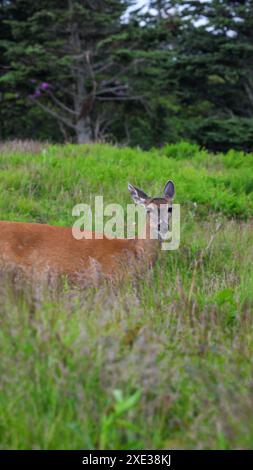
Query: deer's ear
169, 190
138, 196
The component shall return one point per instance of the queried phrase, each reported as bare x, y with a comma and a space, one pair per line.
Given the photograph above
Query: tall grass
162, 362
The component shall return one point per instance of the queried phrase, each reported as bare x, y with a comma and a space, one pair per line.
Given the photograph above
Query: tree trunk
79, 74
83, 131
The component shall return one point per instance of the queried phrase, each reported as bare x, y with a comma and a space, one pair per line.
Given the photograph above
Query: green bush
182, 150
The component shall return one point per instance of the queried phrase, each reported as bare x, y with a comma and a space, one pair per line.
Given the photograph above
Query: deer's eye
150, 208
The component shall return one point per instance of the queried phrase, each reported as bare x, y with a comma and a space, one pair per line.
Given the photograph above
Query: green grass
165, 362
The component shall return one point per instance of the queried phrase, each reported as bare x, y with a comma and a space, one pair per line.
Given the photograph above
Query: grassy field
165, 362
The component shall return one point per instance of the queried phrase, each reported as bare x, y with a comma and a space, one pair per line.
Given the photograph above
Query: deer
40, 248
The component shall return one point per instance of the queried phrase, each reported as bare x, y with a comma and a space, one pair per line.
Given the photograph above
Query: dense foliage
79, 70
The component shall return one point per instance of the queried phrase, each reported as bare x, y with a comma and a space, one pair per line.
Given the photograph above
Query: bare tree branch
60, 104
114, 89
55, 115
101, 66
120, 98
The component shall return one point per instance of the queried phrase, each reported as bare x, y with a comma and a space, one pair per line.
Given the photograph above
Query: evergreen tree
213, 72
154, 121
70, 56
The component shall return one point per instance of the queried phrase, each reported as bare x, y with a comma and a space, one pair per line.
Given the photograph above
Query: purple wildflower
44, 86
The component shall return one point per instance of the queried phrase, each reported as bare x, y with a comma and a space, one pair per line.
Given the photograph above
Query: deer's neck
146, 246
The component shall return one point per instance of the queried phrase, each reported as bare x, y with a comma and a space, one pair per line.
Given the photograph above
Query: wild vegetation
163, 362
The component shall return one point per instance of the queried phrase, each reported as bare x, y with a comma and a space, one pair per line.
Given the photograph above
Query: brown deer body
39, 248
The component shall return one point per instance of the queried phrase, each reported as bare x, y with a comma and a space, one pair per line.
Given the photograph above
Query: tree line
81, 70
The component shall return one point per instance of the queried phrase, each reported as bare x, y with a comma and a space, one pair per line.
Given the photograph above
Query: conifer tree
68, 57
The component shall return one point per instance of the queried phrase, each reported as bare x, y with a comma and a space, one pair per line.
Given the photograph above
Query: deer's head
159, 209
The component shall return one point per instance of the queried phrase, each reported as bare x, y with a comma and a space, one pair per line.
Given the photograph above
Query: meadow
164, 362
